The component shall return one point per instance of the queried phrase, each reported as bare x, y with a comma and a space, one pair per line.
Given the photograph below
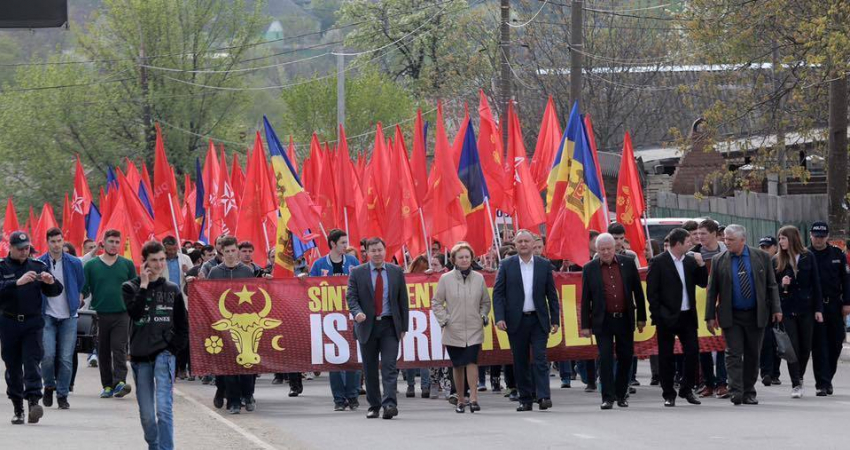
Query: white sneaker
797, 392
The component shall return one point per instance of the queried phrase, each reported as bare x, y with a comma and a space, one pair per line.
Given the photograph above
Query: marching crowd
764, 300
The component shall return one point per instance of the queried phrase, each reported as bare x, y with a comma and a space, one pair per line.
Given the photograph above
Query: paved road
308, 421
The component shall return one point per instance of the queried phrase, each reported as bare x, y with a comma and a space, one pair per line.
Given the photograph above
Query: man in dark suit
526, 306
742, 298
611, 298
671, 289
377, 298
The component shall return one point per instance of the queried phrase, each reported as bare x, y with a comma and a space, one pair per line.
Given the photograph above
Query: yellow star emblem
245, 295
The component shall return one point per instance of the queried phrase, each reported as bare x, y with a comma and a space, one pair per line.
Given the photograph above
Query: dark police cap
820, 229
767, 241
19, 239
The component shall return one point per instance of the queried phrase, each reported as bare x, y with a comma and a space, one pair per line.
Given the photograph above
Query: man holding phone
104, 276
22, 282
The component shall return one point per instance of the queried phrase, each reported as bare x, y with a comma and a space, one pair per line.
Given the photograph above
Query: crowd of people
751, 291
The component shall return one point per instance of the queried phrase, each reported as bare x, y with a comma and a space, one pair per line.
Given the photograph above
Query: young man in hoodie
159, 331
235, 388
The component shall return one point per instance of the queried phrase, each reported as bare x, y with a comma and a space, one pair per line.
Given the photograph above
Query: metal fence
756, 228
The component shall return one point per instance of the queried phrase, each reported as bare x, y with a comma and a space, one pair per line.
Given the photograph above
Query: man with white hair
611, 299
742, 299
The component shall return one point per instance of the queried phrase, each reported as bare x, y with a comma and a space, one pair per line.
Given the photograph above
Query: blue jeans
345, 386
424, 376
154, 384
60, 339
566, 371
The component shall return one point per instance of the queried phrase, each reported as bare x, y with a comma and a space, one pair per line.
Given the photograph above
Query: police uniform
829, 336
21, 328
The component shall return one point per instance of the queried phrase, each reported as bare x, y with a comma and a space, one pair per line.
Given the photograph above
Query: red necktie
379, 293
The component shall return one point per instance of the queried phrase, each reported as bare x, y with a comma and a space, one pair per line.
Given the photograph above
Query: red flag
79, 208
127, 203
10, 225
146, 179
39, 233
105, 201
530, 213
257, 202
418, 165
133, 176
403, 196
165, 201
377, 194
290, 152
31, 222
444, 216
324, 184
66, 216
600, 220
548, 141
491, 154
349, 195
630, 202
225, 212
237, 177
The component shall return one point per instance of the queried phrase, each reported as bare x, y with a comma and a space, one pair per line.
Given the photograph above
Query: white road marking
584, 436
527, 419
245, 433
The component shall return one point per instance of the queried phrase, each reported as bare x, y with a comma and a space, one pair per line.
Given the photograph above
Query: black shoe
390, 412
544, 404
766, 380
496, 383
206, 379
829, 390
654, 381
632, 390
373, 413
607, 404
736, 400
353, 404
18, 418
821, 393
234, 408
411, 392
36, 411
48, 397
293, 392
339, 407
623, 403
750, 400
634, 383
277, 380
474, 406
670, 402
690, 397
218, 400
460, 408
426, 393
63, 402
524, 407
514, 395
565, 385
250, 404
590, 388
776, 382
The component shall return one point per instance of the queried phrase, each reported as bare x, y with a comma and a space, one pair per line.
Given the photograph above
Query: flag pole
174, 220
345, 212
496, 242
425, 235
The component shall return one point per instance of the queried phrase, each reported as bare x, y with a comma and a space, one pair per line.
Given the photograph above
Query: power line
545, 2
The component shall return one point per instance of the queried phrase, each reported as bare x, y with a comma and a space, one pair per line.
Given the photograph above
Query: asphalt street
308, 421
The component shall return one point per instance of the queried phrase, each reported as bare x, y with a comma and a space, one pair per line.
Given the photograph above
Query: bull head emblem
246, 329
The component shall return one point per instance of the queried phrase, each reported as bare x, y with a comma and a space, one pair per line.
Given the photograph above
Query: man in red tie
377, 298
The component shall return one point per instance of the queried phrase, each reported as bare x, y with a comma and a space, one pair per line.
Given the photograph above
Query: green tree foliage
370, 97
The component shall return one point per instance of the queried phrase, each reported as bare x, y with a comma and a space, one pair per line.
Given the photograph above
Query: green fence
756, 228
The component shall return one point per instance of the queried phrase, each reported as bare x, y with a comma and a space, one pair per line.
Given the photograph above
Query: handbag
783, 344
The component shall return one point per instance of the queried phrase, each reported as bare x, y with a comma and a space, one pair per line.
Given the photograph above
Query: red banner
303, 325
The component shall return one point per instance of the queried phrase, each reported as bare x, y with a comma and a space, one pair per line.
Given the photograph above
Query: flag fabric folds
630, 201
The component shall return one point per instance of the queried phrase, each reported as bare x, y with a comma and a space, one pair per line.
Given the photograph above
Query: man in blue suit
526, 306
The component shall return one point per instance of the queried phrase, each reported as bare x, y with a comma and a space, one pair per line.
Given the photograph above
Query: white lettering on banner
316, 339
436, 338
415, 337
339, 351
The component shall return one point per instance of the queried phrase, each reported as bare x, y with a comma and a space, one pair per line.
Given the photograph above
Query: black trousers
534, 376
617, 337
743, 348
22, 348
827, 344
113, 334
685, 329
184, 360
510, 378
770, 361
381, 351
237, 387
799, 328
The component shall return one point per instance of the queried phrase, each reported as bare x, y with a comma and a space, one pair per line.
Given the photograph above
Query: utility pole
340, 92
147, 114
836, 172
576, 49
505, 75
779, 129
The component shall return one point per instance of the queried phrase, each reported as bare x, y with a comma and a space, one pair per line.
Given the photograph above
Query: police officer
835, 285
769, 360
22, 281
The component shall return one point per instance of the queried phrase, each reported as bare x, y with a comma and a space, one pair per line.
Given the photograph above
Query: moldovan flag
10, 225
630, 203
600, 220
474, 197
297, 212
